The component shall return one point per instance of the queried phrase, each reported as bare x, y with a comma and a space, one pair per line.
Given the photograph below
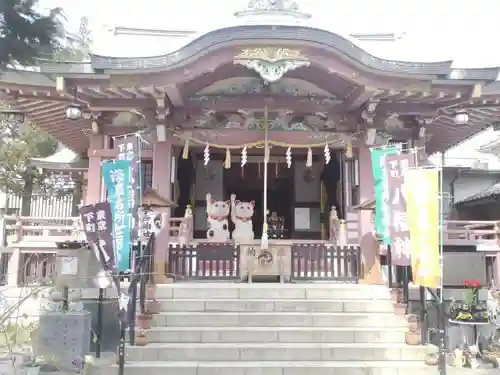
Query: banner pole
441, 312
264, 239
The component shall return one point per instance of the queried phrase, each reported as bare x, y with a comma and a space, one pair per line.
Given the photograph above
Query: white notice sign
302, 218
69, 266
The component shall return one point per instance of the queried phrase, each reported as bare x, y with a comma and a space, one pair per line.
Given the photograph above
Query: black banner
104, 221
89, 222
129, 149
98, 227
395, 166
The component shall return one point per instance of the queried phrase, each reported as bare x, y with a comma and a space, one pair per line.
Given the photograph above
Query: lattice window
147, 174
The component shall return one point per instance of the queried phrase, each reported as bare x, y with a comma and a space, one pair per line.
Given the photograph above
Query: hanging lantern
348, 150
288, 157
309, 160
185, 151
227, 162
328, 156
244, 156
206, 155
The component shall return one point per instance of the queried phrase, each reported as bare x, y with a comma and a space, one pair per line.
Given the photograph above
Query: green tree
20, 143
26, 34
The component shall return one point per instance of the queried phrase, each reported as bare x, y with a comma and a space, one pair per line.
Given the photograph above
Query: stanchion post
406, 291
121, 348
423, 315
389, 267
133, 306
442, 337
99, 330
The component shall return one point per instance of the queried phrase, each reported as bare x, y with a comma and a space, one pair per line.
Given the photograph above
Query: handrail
140, 274
31, 229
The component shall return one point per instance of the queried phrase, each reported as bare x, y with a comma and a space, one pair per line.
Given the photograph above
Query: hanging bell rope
309, 160
185, 151
227, 162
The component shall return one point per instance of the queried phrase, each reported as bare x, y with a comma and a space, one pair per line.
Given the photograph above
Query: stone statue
186, 226
241, 216
334, 223
217, 213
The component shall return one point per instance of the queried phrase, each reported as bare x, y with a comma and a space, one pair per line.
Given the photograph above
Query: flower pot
153, 307
412, 338
151, 292
144, 321
431, 360
141, 340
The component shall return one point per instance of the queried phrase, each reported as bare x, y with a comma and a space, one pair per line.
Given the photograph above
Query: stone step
271, 291
275, 319
269, 305
274, 352
288, 368
276, 334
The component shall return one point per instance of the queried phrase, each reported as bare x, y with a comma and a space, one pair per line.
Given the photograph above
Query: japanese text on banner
129, 149
422, 194
116, 176
396, 167
380, 189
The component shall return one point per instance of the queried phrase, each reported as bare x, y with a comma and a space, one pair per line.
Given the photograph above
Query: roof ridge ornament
272, 63
286, 5
288, 8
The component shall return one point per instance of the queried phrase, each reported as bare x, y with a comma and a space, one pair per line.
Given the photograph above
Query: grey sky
461, 30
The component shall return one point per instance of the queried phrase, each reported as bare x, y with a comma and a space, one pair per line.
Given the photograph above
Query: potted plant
144, 320
412, 336
413, 323
141, 338
470, 309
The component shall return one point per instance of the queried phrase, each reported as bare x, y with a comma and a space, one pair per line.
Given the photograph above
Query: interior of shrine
292, 187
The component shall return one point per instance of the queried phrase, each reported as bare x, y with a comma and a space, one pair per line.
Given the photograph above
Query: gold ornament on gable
271, 63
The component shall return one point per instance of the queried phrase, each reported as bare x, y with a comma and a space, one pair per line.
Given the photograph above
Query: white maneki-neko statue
218, 220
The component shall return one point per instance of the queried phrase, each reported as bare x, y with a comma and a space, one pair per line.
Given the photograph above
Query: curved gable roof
279, 33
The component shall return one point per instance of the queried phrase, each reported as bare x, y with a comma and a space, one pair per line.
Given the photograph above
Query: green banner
380, 189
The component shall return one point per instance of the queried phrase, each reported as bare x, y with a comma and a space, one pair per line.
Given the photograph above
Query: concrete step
272, 291
264, 305
289, 368
276, 334
275, 319
274, 352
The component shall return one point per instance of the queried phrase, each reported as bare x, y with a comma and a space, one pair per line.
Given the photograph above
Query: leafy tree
18, 145
26, 34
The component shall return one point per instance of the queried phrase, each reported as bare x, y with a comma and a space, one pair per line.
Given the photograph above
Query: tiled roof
491, 192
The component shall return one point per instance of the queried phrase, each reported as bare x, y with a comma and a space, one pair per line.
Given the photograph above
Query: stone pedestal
272, 262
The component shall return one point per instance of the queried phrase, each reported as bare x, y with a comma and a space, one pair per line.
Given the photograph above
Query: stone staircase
273, 329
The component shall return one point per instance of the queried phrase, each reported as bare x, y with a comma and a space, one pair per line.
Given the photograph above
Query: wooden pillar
94, 177
370, 250
162, 159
